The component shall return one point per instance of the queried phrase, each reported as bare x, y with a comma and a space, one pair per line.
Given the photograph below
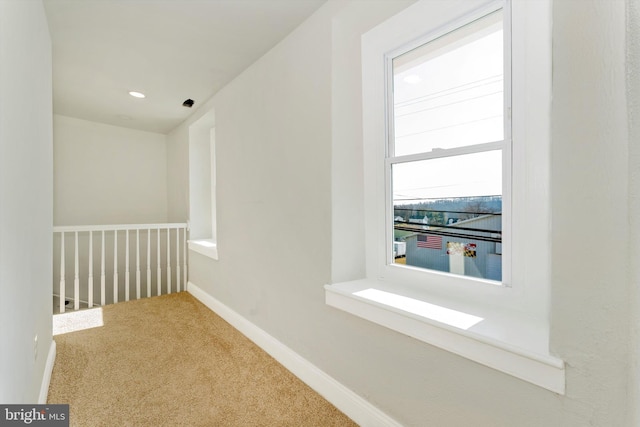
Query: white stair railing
92, 244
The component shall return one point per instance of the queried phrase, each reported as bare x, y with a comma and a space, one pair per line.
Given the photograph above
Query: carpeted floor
170, 361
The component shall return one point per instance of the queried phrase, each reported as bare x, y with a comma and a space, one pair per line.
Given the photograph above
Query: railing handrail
118, 227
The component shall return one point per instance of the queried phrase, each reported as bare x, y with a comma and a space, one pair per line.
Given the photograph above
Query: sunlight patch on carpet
77, 321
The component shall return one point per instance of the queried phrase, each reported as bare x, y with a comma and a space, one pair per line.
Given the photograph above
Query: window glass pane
450, 92
448, 214
468, 175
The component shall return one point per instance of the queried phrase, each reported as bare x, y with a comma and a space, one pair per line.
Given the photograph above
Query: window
202, 186
447, 153
440, 167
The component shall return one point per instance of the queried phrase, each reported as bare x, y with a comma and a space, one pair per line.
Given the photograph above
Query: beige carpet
170, 361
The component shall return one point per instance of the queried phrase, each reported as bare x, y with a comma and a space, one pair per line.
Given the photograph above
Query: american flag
429, 241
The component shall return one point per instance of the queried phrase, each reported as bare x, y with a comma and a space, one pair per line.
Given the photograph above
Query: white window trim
206, 245
214, 187
509, 343
382, 267
513, 336
385, 262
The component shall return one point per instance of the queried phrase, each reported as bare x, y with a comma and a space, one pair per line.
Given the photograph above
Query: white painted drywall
347, 173
178, 175
288, 143
633, 102
26, 200
105, 174
200, 190
590, 169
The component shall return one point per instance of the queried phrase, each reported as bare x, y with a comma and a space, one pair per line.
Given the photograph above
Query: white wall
25, 199
178, 174
590, 175
289, 147
106, 174
200, 182
633, 99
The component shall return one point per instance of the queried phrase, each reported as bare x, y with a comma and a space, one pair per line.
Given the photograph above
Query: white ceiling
170, 50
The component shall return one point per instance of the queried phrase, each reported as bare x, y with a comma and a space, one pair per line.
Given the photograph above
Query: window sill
206, 247
505, 342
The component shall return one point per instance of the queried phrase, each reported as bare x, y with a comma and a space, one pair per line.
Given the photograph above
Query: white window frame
513, 334
202, 183
387, 264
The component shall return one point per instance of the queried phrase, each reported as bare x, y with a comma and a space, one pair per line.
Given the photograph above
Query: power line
447, 127
447, 105
456, 235
447, 211
450, 91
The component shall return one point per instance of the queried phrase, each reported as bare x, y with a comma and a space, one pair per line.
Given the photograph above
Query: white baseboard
354, 406
46, 378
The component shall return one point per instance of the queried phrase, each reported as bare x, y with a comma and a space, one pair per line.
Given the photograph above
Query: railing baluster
115, 266
159, 269
76, 277
102, 274
126, 269
138, 263
177, 259
168, 260
148, 262
90, 278
175, 264
63, 284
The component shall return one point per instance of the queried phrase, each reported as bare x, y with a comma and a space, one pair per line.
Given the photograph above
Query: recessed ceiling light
136, 94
